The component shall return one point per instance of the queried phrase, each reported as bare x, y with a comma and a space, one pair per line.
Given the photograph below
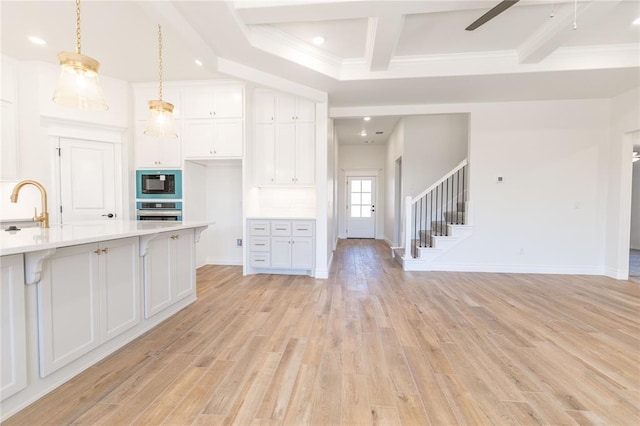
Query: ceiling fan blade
497, 10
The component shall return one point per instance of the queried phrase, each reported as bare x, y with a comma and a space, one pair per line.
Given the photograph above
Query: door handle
109, 215
373, 208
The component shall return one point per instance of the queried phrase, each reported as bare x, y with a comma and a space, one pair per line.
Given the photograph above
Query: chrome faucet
43, 218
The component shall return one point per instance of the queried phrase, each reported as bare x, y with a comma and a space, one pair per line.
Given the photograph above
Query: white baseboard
321, 273
234, 261
616, 274
518, 269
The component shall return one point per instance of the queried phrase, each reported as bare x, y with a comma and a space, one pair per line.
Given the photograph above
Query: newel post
407, 227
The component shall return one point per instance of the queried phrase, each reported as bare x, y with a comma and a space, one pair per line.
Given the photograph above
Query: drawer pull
259, 229
262, 244
281, 229
258, 260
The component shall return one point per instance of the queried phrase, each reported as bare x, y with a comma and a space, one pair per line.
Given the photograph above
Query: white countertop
280, 218
34, 239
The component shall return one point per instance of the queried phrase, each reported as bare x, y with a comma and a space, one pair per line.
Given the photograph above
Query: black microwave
159, 184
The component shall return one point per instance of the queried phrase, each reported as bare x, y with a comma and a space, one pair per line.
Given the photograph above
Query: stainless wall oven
159, 210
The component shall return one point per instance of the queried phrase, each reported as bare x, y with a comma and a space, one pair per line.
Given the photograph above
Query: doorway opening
634, 240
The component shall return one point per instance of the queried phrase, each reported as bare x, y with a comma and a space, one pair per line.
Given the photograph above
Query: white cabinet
211, 138
13, 364
88, 294
213, 125
169, 270
214, 101
284, 140
153, 152
281, 244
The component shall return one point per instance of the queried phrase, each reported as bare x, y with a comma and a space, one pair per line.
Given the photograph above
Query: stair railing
429, 213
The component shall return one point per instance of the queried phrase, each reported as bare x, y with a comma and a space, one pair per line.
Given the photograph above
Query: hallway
372, 345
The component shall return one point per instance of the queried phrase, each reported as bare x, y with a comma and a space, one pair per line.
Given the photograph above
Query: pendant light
79, 86
635, 157
160, 122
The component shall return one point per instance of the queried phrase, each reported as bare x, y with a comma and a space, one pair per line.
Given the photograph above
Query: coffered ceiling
375, 52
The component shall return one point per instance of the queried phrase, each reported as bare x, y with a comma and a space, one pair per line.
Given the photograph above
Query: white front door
87, 180
361, 222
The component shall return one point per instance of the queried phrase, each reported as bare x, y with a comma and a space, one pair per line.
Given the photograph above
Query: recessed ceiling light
367, 118
37, 40
198, 62
637, 21
363, 133
318, 40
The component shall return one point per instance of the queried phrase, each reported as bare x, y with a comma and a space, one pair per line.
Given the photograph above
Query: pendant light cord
78, 26
160, 60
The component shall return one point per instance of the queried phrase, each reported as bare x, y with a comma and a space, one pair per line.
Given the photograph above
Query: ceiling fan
492, 13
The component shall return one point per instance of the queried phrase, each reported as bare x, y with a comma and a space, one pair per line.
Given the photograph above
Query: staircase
435, 221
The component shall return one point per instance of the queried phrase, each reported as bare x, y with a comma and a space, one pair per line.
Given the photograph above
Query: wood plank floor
373, 345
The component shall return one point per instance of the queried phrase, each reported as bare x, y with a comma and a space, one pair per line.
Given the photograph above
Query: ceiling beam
264, 12
557, 30
383, 34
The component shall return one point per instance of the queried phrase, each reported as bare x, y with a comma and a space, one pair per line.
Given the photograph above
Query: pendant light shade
160, 122
635, 157
79, 86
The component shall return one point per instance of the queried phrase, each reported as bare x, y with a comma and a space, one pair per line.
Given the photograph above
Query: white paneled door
87, 180
361, 206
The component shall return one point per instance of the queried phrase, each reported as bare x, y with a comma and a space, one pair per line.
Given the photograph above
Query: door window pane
366, 186
356, 198
356, 186
366, 198
366, 211
355, 211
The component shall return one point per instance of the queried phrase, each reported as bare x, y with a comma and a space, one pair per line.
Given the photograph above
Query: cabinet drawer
260, 260
260, 244
259, 228
280, 228
302, 229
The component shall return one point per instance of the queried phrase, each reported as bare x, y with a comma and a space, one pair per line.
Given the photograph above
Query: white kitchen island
75, 293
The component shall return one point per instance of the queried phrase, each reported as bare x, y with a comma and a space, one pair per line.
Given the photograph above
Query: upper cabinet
214, 101
284, 140
213, 121
209, 121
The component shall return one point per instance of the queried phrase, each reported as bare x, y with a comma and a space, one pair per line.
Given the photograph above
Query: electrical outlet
239, 242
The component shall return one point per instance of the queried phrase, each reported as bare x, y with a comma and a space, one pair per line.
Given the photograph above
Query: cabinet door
228, 138
265, 158
170, 151
198, 137
228, 101
301, 253
182, 263
264, 106
13, 364
68, 297
197, 102
305, 111
285, 108
157, 275
285, 153
153, 152
281, 252
305, 155
119, 286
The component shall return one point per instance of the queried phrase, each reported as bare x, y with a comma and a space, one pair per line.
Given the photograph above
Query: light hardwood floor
373, 345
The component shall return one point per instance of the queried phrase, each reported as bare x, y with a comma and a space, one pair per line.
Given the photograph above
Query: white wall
223, 197
545, 216
363, 160
635, 207
332, 165
37, 156
433, 145
624, 119
394, 150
